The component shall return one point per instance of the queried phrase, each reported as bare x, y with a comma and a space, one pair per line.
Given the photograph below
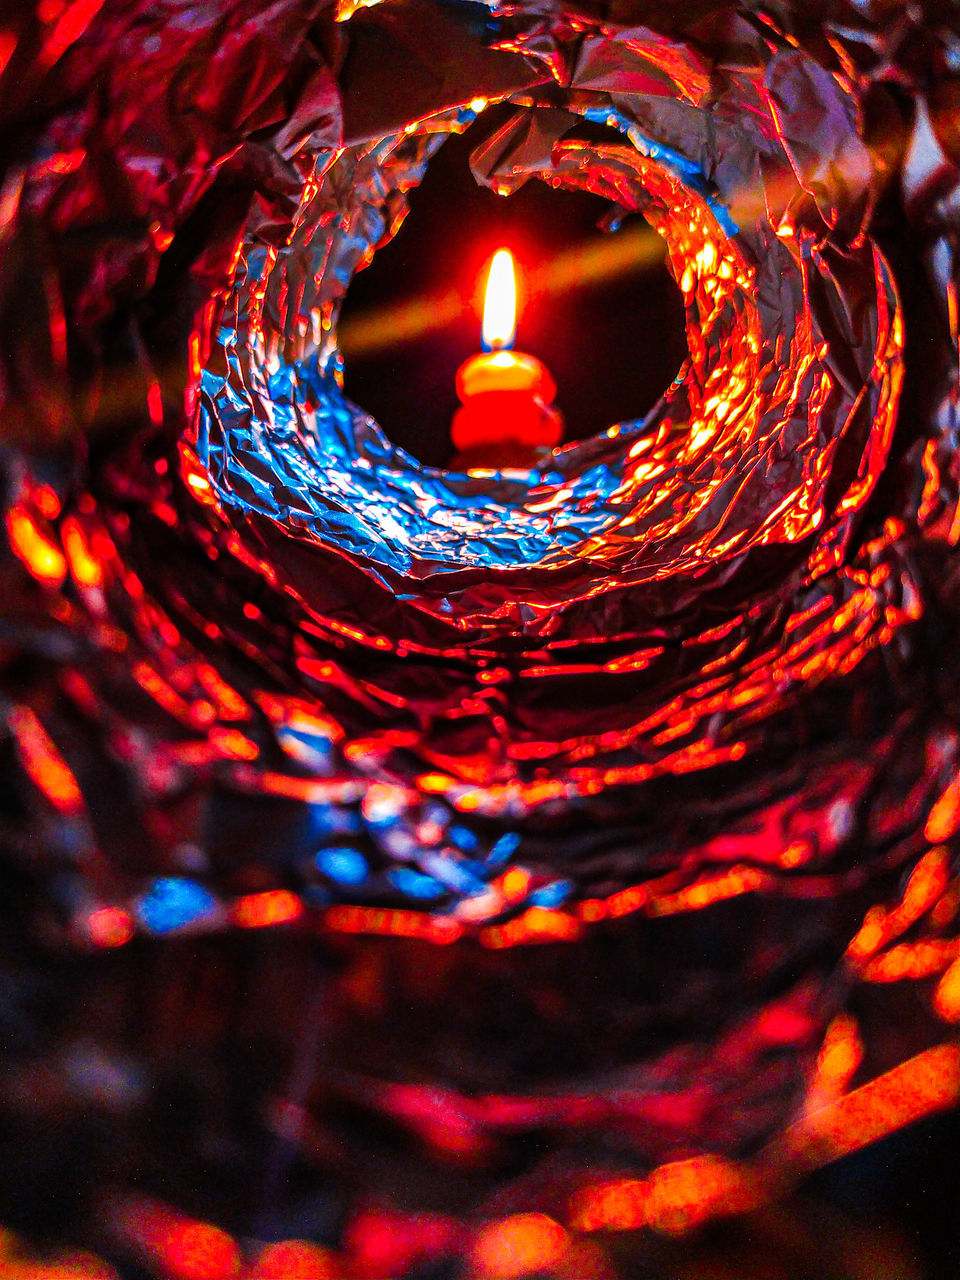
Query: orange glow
928, 880
175, 1246
507, 371
295, 1260
944, 820
310, 790
259, 910
514, 884
434, 784
395, 923
610, 1206
160, 691
500, 303
912, 960
84, 566
632, 250
840, 1055
18, 1261
926, 1083
943, 912
109, 927
536, 924
229, 703
686, 1192
870, 936
35, 548
674, 1198
46, 501
946, 998
198, 1251
729, 885
233, 744
625, 902
196, 478
680, 1194
526, 1244
43, 762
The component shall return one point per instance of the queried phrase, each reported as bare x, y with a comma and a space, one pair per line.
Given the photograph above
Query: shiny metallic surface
675, 704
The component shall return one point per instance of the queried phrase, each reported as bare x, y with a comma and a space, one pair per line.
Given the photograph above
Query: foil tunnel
420, 867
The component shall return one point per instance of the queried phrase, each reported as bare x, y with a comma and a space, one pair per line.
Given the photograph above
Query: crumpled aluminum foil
675, 702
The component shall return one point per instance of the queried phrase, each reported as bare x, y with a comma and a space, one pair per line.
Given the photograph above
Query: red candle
506, 395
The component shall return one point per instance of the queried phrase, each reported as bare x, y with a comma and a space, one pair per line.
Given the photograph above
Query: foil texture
678, 702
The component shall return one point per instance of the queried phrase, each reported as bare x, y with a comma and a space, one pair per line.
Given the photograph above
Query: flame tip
500, 303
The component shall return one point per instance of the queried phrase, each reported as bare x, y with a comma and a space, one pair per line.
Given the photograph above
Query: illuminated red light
46, 501
757, 685
173, 1245
434, 784
383, 1243
43, 762
198, 1251
928, 881
110, 927
233, 744
193, 472
259, 910
526, 1244
918, 1087
295, 1260
155, 403
675, 1197
678, 1195
943, 822
536, 924
913, 960
840, 1055
513, 884
18, 1261
697, 896
35, 548
396, 923
84, 566
946, 999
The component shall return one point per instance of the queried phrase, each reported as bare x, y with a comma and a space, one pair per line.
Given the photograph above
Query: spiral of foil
605, 812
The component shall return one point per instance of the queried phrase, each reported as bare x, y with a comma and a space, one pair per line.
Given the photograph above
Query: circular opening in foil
298, 434
599, 304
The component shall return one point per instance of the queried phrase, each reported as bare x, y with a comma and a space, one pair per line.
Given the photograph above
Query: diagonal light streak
633, 250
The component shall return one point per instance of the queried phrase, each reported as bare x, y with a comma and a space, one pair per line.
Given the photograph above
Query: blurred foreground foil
305, 741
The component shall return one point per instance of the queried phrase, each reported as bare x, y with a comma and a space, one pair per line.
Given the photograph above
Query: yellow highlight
347, 8
634, 249
943, 822
500, 302
35, 548
946, 998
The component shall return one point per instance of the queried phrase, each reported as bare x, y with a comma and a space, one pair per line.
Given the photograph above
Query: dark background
613, 346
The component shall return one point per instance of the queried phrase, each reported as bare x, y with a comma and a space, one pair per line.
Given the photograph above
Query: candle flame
500, 304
